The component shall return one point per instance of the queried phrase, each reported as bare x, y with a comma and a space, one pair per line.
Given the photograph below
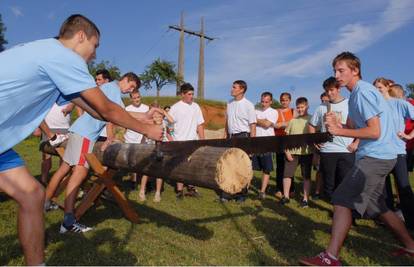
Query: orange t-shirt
284, 116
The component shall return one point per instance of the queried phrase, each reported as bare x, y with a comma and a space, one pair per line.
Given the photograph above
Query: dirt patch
214, 117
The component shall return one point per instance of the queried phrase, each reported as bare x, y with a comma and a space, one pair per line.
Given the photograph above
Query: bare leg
29, 194
45, 167
341, 224
158, 185
54, 182
265, 182
180, 187
398, 227
144, 181
78, 176
306, 188
287, 181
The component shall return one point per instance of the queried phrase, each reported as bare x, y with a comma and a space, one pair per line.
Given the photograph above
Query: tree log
228, 169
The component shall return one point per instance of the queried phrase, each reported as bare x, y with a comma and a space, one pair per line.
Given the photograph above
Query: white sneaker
141, 197
60, 138
76, 228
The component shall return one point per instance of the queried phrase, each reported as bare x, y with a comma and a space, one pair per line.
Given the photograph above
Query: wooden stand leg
106, 178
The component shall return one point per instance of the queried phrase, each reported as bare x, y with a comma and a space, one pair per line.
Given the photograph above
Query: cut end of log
234, 171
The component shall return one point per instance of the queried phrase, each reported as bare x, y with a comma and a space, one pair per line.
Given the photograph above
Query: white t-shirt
339, 143
240, 114
130, 136
269, 114
55, 119
186, 119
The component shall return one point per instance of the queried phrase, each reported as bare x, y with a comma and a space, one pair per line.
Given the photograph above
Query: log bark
217, 168
228, 169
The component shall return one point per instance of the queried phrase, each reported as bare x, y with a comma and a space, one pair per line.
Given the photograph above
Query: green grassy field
196, 232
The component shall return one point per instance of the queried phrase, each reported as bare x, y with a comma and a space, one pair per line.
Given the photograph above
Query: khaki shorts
76, 148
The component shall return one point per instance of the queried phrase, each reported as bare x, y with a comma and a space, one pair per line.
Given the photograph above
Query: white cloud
17, 11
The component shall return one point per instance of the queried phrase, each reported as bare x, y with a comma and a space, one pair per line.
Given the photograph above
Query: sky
273, 45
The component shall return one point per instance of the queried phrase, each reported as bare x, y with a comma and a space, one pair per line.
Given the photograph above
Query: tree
159, 74
104, 64
410, 88
2, 38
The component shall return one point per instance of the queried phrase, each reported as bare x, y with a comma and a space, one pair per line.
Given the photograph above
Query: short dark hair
285, 94
351, 60
132, 77
301, 100
105, 74
330, 82
76, 23
186, 87
267, 94
242, 84
323, 95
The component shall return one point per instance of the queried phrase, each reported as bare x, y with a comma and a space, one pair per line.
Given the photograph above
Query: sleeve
369, 105
408, 110
65, 99
69, 73
173, 113
316, 119
251, 114
272, 116
200, 117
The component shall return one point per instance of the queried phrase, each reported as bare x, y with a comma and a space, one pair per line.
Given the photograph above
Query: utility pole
202, 36
200, 83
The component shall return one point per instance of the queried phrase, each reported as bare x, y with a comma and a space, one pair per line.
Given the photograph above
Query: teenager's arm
98, 103
252, 129
353, 146
200, 131
311, 128
264, 123
371, 131
46, 130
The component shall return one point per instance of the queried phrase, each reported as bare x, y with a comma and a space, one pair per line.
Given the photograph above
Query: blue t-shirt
89, 127
401, 110
339, 144
33, 76
365, 102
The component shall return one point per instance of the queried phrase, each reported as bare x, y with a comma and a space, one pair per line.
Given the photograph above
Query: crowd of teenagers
372, 133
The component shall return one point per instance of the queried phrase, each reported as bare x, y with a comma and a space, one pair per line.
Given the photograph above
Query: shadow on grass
100, 247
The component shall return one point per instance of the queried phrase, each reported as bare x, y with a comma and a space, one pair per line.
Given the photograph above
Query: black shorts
263, 162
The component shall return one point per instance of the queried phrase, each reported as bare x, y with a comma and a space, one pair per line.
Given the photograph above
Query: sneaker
262, 195
180, 195
58, 139
284, 201
75, 228
323, 259
50, 205
157, 197
141, 197
304, 204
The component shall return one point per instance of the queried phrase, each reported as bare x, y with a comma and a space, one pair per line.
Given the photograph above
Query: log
224, 168
228, 169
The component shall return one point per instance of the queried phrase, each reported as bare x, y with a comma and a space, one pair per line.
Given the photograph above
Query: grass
196, 232
170, 100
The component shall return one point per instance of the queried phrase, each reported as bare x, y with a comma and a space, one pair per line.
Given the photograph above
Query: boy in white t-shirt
188, 125
58, 121
266, 119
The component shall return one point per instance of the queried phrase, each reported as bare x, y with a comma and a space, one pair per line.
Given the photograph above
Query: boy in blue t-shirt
83, 134
362, 190
44, 72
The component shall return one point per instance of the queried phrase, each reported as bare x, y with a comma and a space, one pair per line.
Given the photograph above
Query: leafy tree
410, 88
2, 38
104, 64
275, 104
159, 73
